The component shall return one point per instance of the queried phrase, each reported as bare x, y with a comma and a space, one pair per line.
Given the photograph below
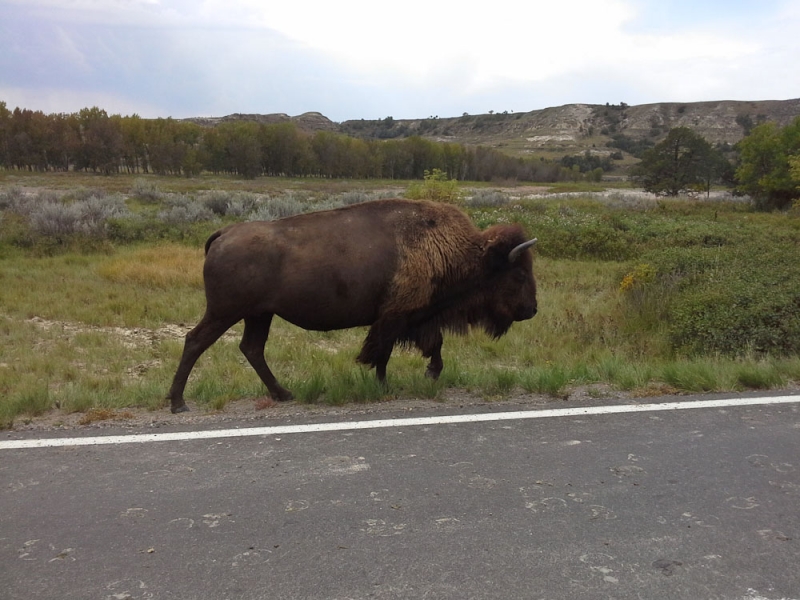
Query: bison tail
210, 240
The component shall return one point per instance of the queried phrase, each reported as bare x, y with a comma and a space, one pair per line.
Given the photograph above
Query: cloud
354, 59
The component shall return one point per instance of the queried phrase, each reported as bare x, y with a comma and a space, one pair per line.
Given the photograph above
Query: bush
358, 197
242, 205
25, 204
738, 319
594, 240
10, 198
146, 191
278, 208
487, 198
96, 211
743, 300
58, 221
354, 197
185, 210
234, 204
436, 187
217, 201
84, 193
55, 220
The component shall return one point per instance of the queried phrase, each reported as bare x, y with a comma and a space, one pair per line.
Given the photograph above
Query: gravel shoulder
263, 411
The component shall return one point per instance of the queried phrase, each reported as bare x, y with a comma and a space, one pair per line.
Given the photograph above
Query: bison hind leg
256, 332
198, 340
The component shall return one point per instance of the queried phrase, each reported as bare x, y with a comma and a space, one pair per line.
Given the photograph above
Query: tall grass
163, 266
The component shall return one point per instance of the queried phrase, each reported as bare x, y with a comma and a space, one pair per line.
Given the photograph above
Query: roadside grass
79, 361
101, 328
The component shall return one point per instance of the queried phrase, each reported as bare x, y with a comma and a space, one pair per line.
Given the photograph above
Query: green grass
100, 326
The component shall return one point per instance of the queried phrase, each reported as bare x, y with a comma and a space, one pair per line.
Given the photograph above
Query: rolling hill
559, 131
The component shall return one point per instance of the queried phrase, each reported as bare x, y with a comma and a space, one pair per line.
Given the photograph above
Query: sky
354, 59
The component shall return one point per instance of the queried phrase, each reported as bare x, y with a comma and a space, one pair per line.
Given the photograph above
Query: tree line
93, 141
764, 164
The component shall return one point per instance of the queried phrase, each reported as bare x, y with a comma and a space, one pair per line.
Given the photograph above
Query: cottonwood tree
764, 170
683, 162
101, 137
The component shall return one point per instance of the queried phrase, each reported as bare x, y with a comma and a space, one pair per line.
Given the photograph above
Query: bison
407, 269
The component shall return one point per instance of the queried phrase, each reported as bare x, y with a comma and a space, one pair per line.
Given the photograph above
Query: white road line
382, 423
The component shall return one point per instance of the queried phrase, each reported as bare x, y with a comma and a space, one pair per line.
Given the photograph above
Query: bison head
508, 287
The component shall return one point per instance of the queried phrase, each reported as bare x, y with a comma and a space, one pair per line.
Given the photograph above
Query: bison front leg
434, 352
256, 332
378, 345
198, 340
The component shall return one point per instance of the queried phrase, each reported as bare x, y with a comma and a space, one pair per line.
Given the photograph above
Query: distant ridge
557, 131
310, 121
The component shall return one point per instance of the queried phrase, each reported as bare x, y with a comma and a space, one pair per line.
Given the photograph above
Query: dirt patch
135, 337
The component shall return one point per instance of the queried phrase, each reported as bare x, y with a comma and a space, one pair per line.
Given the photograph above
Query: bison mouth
497, 325
524, 313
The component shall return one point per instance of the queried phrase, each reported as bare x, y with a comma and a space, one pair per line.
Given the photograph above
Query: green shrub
738, 318
436, 187
585, 240
735, 301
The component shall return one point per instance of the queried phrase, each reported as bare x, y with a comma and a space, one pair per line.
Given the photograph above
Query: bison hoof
284, 396
432, 373
179, 409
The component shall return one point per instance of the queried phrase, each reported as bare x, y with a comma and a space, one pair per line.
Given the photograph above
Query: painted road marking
402, 422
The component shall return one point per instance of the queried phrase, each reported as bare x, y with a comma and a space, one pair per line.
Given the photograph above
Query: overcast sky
352, 59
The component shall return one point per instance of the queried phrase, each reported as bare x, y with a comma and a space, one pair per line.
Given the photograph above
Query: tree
134, 144
436, 187
397, 161
683, 162
285, 150
794, 168
102, 145
764, 170
242, 148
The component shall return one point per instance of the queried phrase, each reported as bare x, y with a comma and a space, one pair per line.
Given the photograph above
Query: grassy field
642, 295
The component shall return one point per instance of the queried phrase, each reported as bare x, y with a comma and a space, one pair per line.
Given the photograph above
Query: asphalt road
692, 504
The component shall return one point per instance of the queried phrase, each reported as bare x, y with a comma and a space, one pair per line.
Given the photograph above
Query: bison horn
514, 254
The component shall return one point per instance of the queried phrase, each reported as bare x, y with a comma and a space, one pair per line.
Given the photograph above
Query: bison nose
525, 313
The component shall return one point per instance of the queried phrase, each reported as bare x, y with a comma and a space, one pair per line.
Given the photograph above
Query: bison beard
407, 269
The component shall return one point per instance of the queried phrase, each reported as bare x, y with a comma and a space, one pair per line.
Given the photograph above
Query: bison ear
496, 250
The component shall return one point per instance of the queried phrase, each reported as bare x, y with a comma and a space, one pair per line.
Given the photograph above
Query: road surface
693, 504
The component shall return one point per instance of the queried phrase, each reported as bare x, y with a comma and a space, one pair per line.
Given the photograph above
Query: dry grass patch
163, 266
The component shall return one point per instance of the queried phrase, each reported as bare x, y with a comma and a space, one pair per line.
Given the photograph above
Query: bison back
321, 271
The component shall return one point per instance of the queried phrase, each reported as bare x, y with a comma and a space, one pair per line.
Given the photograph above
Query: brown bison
408, 269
